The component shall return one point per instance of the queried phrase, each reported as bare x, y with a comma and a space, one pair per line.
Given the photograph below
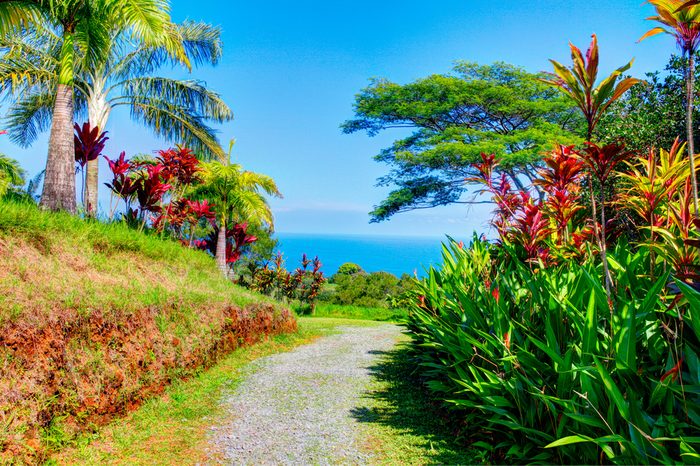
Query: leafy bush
303, 285
376, 289
544, 371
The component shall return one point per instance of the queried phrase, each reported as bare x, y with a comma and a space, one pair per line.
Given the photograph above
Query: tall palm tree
84, 27
238, 196
171, 108
681, 19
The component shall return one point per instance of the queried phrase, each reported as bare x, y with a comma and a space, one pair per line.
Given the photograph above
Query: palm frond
11, 174
34, 185
146, 19
30, 116
201, 44
177, 117
16, 15
192, 95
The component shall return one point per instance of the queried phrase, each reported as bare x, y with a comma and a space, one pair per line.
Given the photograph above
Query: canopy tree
126, 76
84, 27
453, 118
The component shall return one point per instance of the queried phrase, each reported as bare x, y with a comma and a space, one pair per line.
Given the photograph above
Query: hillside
95, 318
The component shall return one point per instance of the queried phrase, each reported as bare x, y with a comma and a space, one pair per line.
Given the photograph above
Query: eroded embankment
94, 319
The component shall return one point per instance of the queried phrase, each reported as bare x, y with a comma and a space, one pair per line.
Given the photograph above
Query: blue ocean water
397, 255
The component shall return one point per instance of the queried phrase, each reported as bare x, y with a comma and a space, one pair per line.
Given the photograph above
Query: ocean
397, 255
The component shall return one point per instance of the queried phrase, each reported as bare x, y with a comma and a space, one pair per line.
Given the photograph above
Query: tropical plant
238, 196
681, 19
18, 14
580, 82
126, 75
304, 284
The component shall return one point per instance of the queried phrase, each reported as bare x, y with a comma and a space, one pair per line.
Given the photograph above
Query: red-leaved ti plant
200, 210
151, 188
601, 162
507, 201
561, 180
180, 165
123, 185
237, 238
88, 146
531, 230
89, 143
240, 238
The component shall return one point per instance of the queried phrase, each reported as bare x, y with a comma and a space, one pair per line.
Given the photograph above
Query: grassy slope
95, 317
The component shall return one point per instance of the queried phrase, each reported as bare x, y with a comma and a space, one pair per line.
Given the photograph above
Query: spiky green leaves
579, 83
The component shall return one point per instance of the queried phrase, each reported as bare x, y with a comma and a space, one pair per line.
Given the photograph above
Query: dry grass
95, 318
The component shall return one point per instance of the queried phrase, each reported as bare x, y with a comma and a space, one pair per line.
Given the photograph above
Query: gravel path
294, 408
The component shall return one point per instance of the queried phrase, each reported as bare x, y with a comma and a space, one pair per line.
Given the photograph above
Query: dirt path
295, 408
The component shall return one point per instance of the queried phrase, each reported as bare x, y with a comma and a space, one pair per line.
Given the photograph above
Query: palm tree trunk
98, 114
221, 249
59, 183
690, 94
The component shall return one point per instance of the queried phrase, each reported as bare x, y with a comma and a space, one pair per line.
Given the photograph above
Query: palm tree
84, 26
681, 19
580, 82
11, 174
237, 195
171, 108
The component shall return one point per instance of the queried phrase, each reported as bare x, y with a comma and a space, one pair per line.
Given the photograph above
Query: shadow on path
400, 404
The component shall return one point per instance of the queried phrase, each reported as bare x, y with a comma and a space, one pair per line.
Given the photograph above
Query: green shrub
374, 290
542, 370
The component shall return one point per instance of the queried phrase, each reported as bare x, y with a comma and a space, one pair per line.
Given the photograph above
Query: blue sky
291, 69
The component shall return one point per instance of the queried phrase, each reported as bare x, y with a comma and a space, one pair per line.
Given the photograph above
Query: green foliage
651, 114
497, 108
537, 363
11, 175
348, 268
373, 290
380, 314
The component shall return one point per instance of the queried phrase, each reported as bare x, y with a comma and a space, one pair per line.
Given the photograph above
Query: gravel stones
295, 408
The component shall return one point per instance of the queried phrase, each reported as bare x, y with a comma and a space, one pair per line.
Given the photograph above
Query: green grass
359, 312
403, 423
172, 428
